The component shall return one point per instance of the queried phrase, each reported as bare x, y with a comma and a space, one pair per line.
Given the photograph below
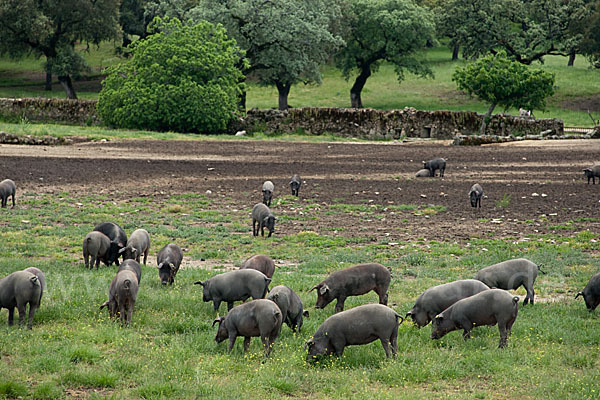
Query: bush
181, 78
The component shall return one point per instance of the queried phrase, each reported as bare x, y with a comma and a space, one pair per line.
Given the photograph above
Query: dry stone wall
409, 122
78, 112
363, 123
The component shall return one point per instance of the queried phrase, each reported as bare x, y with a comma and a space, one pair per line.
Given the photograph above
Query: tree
181, 77
526, 30
384, 30
590, 44
51, 28
498, 80
285, 41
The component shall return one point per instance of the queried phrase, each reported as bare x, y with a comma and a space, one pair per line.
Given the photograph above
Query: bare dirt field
530, 187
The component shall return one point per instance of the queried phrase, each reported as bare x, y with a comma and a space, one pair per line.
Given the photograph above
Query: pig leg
4, 199
530, 294
394, 341
95, 260
129, 313
254, 231
232, 337
261, 226
386, 346
339, 306
216, 305
382, 292
146, 255
11, 315
503, 335
32, 310
337, 346
122, 313
266, 344
13, 200
22, 310
230, 305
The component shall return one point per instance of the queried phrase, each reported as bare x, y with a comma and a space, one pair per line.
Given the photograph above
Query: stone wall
78, 112
409, 122
364, 123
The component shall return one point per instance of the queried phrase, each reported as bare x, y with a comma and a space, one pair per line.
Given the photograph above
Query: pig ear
172, 266
219, 320
159, 266
134, 250
324, 289
439, 317
306, 314
309, 343
579, 294
314, 287
121, 250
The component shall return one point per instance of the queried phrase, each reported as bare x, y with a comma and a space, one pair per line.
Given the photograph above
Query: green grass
169, 351
23, 79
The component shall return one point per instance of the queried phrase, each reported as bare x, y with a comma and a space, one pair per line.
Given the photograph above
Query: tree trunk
359, 84
67, 84
486, 118
455, 50
48, 86
284, 91
571, 58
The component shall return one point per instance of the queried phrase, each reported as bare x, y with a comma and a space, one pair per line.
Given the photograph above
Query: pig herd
458, 305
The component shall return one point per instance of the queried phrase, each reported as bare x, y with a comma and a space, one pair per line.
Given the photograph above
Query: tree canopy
51, 28
285, 41
526, 30
182, 77
499, 80
384, 30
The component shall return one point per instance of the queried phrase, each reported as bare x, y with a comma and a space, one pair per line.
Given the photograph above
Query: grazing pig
353, 281
255, 318
7, 188
511, 274
133, 266
233, 286
592, 173
41, 277
267, 190
122, 296
118, 239
435, 164
138, 244
290, 305
168, 260
17, 290
591, 293
360, 325
96, 245
490, 307
262, 217
261, 263
423, 173
475, 195
436, 299
295, 184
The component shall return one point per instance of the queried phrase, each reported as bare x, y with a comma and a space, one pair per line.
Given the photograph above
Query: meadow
74, 350
576, 88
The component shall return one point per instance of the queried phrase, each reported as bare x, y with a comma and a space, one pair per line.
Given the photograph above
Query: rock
241, 133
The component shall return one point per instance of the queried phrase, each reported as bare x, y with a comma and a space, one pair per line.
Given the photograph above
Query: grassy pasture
577, 87
74, 350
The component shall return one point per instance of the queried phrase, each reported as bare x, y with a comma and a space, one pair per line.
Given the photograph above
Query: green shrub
181, 78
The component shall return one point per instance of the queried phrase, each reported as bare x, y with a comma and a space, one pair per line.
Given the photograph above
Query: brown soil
349, 173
